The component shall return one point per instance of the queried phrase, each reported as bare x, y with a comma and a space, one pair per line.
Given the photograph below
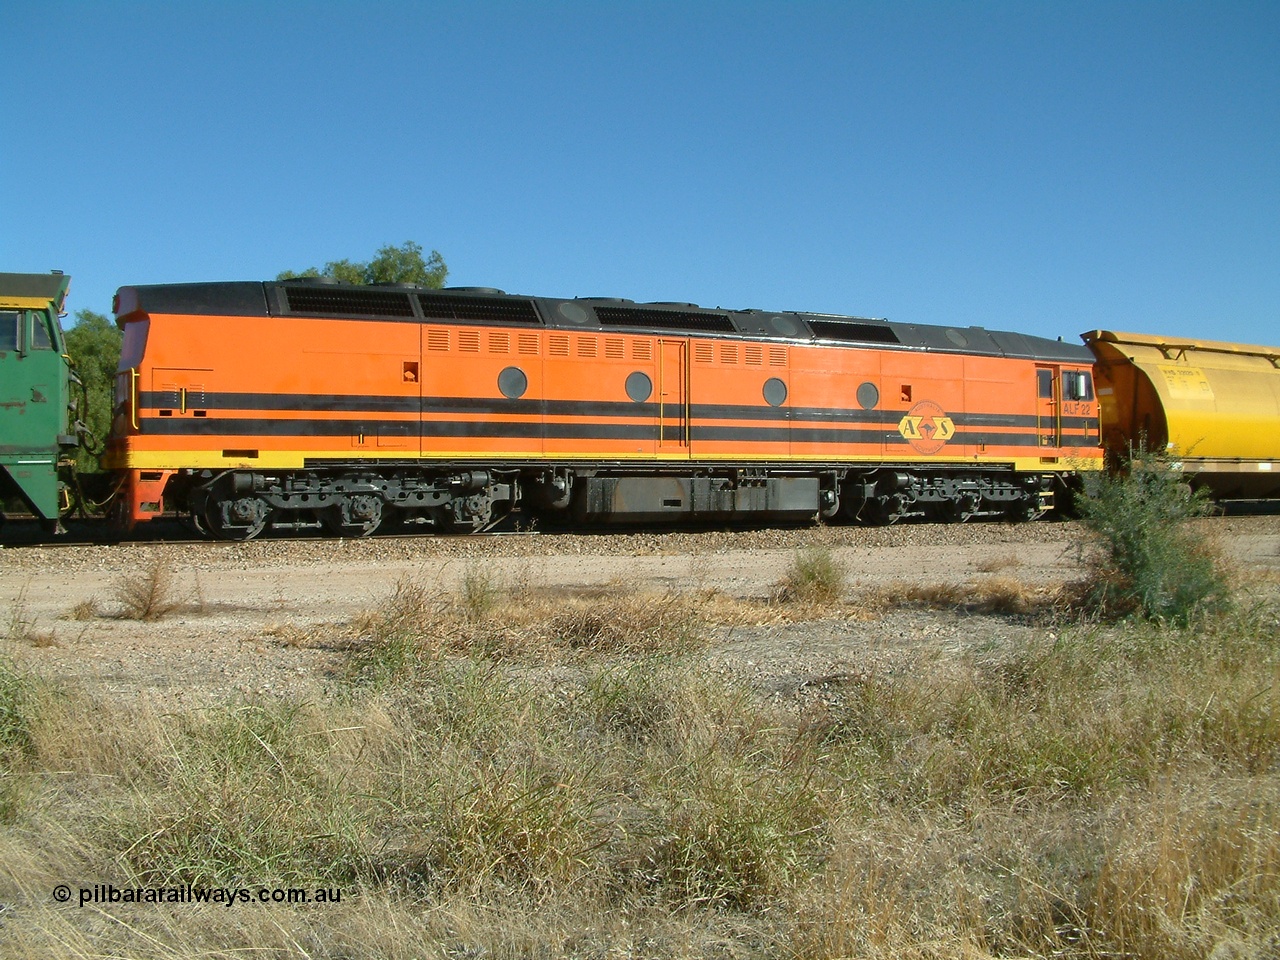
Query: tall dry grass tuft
146, 594
1191, 871
21, 625
17, 702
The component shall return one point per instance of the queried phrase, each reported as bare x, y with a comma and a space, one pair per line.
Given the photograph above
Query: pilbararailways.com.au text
106, 894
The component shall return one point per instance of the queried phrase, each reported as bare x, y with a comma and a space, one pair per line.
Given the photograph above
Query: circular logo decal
926, 427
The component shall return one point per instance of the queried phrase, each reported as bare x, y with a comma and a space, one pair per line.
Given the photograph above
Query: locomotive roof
486, 306
47, 287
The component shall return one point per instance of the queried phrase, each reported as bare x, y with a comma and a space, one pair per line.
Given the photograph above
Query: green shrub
815, 576
1152, 563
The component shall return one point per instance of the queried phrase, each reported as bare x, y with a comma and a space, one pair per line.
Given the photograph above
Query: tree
94, 347
403, 264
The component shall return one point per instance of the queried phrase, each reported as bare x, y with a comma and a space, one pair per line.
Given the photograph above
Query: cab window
9, 329
1044, 384
1077, 385
40, 339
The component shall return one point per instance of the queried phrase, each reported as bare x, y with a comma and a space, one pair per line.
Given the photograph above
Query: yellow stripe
25, 303
293, 459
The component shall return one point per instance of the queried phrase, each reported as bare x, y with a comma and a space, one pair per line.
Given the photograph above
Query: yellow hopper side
1216, 406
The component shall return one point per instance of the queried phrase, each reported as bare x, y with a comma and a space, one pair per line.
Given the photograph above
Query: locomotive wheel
1024, 511
357, 516
880, 512
195, 521
239, 519
466, 516
953, 511
449, 523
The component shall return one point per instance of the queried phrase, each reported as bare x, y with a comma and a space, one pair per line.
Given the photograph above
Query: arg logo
927, 427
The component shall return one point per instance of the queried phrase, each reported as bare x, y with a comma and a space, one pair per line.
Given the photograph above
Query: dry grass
995, 564
146, 594
815, 577
85, 610
558, 774
482, 618
992, 594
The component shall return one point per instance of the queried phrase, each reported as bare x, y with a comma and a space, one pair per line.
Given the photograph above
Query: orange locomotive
301, 402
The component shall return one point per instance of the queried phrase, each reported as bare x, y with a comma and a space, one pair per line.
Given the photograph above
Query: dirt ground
60, 605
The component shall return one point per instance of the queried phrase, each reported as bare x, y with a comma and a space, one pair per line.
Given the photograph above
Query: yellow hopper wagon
1214, 407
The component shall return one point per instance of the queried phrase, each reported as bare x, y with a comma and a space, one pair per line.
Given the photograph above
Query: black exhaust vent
479, 309
348, 302
852, 332
664, 319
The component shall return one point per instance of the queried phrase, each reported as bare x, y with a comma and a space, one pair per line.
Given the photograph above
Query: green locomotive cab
35, 385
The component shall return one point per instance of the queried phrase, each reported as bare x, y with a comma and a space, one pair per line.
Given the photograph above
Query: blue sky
1042, 167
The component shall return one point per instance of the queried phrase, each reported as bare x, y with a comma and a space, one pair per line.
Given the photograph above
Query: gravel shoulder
236, 601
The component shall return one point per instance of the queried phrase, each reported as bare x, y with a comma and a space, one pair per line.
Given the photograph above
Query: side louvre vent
852, 332
482, 309
663, 319
331, 302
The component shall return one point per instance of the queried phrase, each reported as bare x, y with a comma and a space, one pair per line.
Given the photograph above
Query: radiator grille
483, 309
663, 319
852, 332
330, 302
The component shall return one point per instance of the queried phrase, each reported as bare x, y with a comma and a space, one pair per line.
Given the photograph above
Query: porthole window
639, 387
513, 383
868, 395
775, 392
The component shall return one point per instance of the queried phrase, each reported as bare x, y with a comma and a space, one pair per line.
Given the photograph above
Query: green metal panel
34, 389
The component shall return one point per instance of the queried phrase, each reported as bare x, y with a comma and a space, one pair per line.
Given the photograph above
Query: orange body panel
325, 389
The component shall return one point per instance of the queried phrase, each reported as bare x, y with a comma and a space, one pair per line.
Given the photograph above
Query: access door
1048, 406
673, 397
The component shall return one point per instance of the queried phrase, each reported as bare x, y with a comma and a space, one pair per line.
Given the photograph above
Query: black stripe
499, 407
529, 430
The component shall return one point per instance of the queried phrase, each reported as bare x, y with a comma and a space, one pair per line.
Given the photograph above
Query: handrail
134, 377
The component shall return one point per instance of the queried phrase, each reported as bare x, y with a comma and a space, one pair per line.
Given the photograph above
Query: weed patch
417, 626
1150, 562
146, 594
815, 577
16, 704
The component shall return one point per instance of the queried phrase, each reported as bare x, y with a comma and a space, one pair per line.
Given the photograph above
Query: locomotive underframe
356, 499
